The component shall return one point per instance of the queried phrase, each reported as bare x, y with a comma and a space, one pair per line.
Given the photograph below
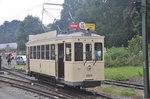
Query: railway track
41, 86
67, 93
33, 88
124, 84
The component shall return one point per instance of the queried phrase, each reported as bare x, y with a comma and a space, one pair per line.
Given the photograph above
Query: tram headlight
89, 67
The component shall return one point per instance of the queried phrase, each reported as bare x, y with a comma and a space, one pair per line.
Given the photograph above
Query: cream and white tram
72, 59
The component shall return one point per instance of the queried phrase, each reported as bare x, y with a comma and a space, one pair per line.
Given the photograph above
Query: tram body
71, 59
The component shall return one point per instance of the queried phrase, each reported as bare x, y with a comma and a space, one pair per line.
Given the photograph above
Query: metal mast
145, 48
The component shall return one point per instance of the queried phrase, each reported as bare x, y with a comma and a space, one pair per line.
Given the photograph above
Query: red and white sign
81, 25
74, 26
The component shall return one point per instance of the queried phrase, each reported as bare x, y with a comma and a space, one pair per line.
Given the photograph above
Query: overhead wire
24, 11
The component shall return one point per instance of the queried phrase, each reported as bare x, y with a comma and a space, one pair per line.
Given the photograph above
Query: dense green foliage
123, 56
8, 31
29, 26
117, 20
116, 57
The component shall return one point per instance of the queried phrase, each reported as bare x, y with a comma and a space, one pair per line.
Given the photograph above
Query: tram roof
53, 34
76, 34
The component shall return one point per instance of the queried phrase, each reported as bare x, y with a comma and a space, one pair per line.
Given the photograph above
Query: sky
19, 9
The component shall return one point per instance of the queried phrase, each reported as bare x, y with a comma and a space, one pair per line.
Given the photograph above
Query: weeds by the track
123, 73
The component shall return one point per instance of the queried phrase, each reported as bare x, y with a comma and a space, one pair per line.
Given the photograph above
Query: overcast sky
18, 9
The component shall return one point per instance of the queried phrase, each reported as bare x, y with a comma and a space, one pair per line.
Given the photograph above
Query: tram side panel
77, 73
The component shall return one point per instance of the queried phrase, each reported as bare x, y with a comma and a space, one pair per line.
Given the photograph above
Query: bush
134, 48
122, 56
135, 45
116, 57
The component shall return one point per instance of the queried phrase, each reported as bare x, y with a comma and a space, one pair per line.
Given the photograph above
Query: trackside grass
24, 67
123, 73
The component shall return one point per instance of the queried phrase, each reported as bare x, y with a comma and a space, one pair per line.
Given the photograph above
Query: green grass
109, 89
114, 90
128, 92
123, 73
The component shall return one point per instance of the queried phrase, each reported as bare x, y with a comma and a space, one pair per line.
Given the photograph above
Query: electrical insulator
137, 5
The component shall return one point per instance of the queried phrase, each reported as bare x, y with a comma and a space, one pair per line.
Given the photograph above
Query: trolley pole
145, 49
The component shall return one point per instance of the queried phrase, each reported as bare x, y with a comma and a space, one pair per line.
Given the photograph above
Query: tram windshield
98, 52
88, 52
78, 51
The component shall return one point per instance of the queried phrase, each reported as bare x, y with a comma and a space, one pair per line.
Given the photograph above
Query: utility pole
145, 9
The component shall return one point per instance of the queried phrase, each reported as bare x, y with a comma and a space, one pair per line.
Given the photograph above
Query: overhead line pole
145, 9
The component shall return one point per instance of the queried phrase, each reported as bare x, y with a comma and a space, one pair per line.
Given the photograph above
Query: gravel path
8, 92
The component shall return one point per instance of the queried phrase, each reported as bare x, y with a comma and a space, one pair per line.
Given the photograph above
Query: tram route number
89, 75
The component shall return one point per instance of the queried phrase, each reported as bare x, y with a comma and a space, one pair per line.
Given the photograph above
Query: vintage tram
73, 59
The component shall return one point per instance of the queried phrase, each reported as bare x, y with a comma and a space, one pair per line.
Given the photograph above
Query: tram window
52, 52
68, 52
42, 51
98, 51
38, 52
47, 52
31, 53
78, 52
88, 52
34, 52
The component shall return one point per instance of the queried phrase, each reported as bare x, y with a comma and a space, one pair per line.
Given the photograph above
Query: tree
67, 14
110, 19
29, 26
117, 20
8, 31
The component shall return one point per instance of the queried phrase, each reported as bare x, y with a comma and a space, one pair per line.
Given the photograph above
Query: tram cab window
47, 52
52, 52
68, 52
78, 52
31, 53
42, 51
98, 55
34, 52
38, 52
88, 52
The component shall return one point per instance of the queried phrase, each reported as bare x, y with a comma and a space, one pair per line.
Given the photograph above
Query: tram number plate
89, 75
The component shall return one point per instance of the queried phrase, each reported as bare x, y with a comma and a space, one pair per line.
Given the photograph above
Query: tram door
61, 60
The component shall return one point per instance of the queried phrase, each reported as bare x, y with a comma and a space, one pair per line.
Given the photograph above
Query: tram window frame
88, 48
78, 52
47, 52
34, 52
31, 56
52, 51
97, 50
68, 51
42, 51
38, 52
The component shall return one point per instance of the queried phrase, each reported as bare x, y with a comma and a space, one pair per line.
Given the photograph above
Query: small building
7, 48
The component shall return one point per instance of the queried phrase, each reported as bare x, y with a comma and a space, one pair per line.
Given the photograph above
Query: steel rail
124, 84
